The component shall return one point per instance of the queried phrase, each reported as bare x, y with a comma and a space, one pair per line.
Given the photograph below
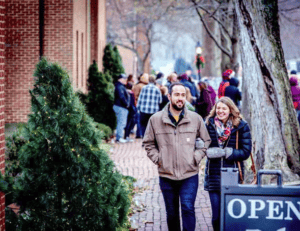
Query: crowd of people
177, 139
136, 102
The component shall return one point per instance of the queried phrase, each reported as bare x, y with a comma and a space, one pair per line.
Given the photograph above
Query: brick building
69, 32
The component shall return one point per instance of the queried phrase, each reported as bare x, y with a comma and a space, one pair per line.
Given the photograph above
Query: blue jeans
121, 114
186, 190
215, 201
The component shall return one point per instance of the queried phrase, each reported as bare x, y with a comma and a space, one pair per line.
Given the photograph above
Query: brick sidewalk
131, 159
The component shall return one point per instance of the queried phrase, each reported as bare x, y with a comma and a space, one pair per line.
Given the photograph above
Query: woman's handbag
254, 181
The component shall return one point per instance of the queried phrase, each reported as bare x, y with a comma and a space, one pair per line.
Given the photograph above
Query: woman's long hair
234, 115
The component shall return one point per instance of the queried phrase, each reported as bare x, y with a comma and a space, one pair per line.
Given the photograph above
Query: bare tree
130, 25
223, 13
267, 101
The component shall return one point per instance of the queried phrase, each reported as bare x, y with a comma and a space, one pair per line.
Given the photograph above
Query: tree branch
226, 52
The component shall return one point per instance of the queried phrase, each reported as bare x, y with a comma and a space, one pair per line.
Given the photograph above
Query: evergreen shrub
100, 98
112, 62
107, 132
67, 182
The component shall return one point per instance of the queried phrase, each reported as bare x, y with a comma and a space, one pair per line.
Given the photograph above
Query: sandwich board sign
258, 207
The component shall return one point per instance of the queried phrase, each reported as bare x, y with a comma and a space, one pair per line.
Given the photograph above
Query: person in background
170, 143
225, 83
142, 81
160, 79
204, 103
233, 92
130, 80
172, 78
224, 123
295, 90
164, 94
189, 100
211, 91
148, 103
191, 80
131, 118
121, 105
184, 80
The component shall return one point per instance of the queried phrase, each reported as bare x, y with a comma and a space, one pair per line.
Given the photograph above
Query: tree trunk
266, 90
211, 53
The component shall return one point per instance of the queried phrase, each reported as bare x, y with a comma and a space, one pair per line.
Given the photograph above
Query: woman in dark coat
204, 102
223, 123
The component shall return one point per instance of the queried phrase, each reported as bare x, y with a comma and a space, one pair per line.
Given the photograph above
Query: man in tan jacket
170, 142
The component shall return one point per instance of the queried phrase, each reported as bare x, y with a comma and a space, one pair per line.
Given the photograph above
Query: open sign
257, 207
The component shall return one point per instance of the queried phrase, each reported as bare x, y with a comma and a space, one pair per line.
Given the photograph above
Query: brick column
2, 139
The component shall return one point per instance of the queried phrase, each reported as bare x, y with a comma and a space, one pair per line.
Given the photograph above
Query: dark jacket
233, 92
121, 96
204, 103
212, 94
188, 84
164, 102
212, 180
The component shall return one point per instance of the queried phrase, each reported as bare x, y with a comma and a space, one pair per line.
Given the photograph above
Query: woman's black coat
212, 180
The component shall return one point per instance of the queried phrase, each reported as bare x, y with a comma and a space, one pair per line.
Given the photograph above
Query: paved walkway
131, 159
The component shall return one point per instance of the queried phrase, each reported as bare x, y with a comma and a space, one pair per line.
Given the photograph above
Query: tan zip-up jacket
172, 147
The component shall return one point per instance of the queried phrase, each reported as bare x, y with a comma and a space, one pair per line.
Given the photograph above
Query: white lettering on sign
253, 207
243, 208
290, 206
275, 209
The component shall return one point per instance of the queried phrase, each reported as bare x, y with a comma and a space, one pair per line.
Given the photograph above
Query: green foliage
68, 182
112, 62
100, 99
107, 132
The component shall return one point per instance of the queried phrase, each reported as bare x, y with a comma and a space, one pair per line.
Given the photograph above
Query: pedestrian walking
131, 118
211, 91
184, 80
233, 92
295, 90
164, 94
148, 103
172, 78
170, 142
204, 103
121, 105
142, 81
226, 75
223, 124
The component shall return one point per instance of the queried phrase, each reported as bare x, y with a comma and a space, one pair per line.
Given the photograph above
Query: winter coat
137, 90
172, 147
212, 94
188, 84
233, 92
204, 103
122, 97
222, 87
212, 180
295, 89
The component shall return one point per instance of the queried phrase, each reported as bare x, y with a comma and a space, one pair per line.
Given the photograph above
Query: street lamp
199, 59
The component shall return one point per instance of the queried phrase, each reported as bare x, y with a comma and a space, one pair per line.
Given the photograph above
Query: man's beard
176, 107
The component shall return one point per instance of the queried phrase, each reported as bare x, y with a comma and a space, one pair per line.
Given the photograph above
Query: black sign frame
235, 200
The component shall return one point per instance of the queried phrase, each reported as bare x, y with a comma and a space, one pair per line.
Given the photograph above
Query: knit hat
227, 74
293, 72
159, 75
122, 76
184, 76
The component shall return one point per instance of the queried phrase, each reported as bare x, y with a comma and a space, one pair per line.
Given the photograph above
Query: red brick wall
22, 54
58, 36
2, 139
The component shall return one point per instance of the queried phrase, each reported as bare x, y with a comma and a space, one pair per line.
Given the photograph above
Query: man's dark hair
174, 84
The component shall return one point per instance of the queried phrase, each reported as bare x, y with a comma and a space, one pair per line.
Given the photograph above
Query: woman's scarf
223, 131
